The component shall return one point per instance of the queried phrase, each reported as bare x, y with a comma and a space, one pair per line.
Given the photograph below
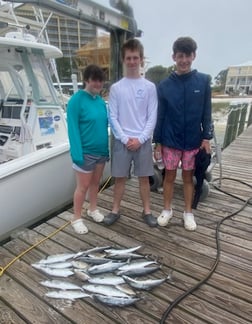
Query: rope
3, 269
218, 248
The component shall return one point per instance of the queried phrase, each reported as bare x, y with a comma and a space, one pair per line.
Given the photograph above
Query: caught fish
93, 250
104, 290
59, 265
106, 280
66, 294
125, 256
127, 289
57, 258
54, 272
116, 301
134, 265
82, 275
141, 271
93, 260
122, 251
80, 264
58, 284
106, 267
143, 284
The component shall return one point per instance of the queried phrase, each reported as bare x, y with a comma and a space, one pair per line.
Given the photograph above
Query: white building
239, 79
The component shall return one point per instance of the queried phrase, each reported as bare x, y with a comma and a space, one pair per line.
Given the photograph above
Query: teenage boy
132, 115
184, 125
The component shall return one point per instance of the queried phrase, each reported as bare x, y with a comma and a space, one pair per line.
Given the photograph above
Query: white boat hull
34, 186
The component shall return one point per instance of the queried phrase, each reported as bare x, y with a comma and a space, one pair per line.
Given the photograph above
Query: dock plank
186, 257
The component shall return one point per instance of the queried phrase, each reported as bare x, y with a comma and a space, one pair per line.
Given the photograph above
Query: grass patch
219, 106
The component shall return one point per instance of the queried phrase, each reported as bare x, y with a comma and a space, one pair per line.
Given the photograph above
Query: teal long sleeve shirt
87, 122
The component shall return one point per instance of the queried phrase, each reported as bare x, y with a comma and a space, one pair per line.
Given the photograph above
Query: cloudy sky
221, 28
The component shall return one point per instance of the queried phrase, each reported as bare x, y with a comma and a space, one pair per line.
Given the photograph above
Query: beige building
65, 33
239, 79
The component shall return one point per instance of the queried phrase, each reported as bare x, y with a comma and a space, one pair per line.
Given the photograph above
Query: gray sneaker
111, 218
150, 219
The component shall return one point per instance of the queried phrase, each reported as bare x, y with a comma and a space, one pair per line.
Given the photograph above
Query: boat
36, 177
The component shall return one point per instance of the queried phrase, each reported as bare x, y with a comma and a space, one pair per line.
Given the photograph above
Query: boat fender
156, 181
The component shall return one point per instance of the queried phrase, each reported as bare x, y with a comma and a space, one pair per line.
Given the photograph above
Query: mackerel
54, 272
128, 255
126, 289
134, 265
92, 250
104, 290
93, 260
141, 271
123, 251
106, 267
116, 301
58, 265
106, 280
66, 294
143, 284
80, 264
82, 275
57, 258
58, 284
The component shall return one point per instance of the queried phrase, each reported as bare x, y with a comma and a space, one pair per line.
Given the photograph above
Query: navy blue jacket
184, 111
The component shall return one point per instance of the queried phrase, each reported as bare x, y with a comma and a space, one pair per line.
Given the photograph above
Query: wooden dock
226, 298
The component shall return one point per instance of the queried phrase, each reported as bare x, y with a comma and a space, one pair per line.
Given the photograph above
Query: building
67, 34
239, 79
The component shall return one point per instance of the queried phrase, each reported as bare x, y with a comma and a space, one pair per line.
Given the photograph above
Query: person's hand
133, 144
158, 152
205, 144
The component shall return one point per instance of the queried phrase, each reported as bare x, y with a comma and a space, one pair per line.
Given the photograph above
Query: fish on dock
66, 294
59, 284
104, 290
147, 284
116, 301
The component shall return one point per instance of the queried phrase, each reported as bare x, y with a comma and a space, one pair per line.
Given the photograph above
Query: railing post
242, 120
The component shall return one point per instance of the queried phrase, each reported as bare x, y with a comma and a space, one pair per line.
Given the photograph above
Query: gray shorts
122, 160
90, 162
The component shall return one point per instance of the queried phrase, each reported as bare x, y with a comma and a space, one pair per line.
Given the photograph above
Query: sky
221, 28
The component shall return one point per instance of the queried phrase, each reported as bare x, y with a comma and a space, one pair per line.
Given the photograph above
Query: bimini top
28, 41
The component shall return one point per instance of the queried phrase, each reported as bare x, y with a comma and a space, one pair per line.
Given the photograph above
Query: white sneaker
164, 217
189, 222
97, 216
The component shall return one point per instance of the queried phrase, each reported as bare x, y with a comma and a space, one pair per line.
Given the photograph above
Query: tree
65, 68
220, 80
158, 73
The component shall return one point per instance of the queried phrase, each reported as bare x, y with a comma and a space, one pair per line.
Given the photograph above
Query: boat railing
239, 118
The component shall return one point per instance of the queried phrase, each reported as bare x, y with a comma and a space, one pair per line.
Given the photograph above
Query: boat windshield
40, 83
27, 79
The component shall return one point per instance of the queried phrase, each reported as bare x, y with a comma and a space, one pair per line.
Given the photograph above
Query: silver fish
66, 294
106, 267
54, 272
122, 251
93, 260
92, 250
80, 264
106, 280
128, 255
134, 265
126, 289
116, 301
58, 284
58, 265
144, 284
57, 258
104, 290
141, 271
82, 275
